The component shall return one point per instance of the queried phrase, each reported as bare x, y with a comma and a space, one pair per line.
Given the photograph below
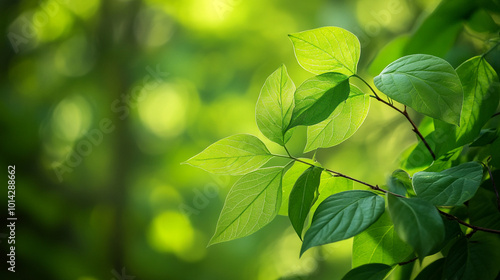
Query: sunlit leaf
426, 83
327, 49
341, 124
379, 244
236, 155
417, 222
450, 187
317, 98
302, 197
480, 84
252, 203
275, 106
372, 271
341, 216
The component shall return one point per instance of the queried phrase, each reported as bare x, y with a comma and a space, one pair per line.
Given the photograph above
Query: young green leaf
417, 222
450, 187
426, 83
379, 244
235, 155
275, 106
302, 197
341, 216
327, 49
341, 124
480, 84
371, 271
317, 98
252, 203
400, 182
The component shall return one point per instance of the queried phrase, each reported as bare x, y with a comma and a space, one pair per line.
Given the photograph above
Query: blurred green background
100, 102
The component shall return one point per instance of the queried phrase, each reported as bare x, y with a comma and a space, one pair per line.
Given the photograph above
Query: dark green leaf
379, 244
486, 136
317, 98
289, 179
275, 106
235, 155
450, 187
341, 216
484, 210
327, 49
480, 84
341, 124
372, 271
302, 197
433, 271
417, 222
474, 259
252, 203
426, 83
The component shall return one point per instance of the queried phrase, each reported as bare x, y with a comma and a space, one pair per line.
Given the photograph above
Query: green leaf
317, 98
480, 84
275, 106
341, 124
450, 187
474, 259
302, 197
372, 271
417, 222
235, 155
252, 203
289, 179
327, 49
426, 83
433, 271
484, 210
379, 244
341, 216
400, 182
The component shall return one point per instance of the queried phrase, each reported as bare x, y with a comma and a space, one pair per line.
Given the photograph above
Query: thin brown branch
407, 262
377, 188
451, 217
402, 112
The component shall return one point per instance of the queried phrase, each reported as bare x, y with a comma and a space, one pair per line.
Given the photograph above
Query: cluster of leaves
425, 212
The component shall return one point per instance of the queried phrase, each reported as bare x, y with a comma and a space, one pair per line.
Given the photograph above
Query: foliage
420, 219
